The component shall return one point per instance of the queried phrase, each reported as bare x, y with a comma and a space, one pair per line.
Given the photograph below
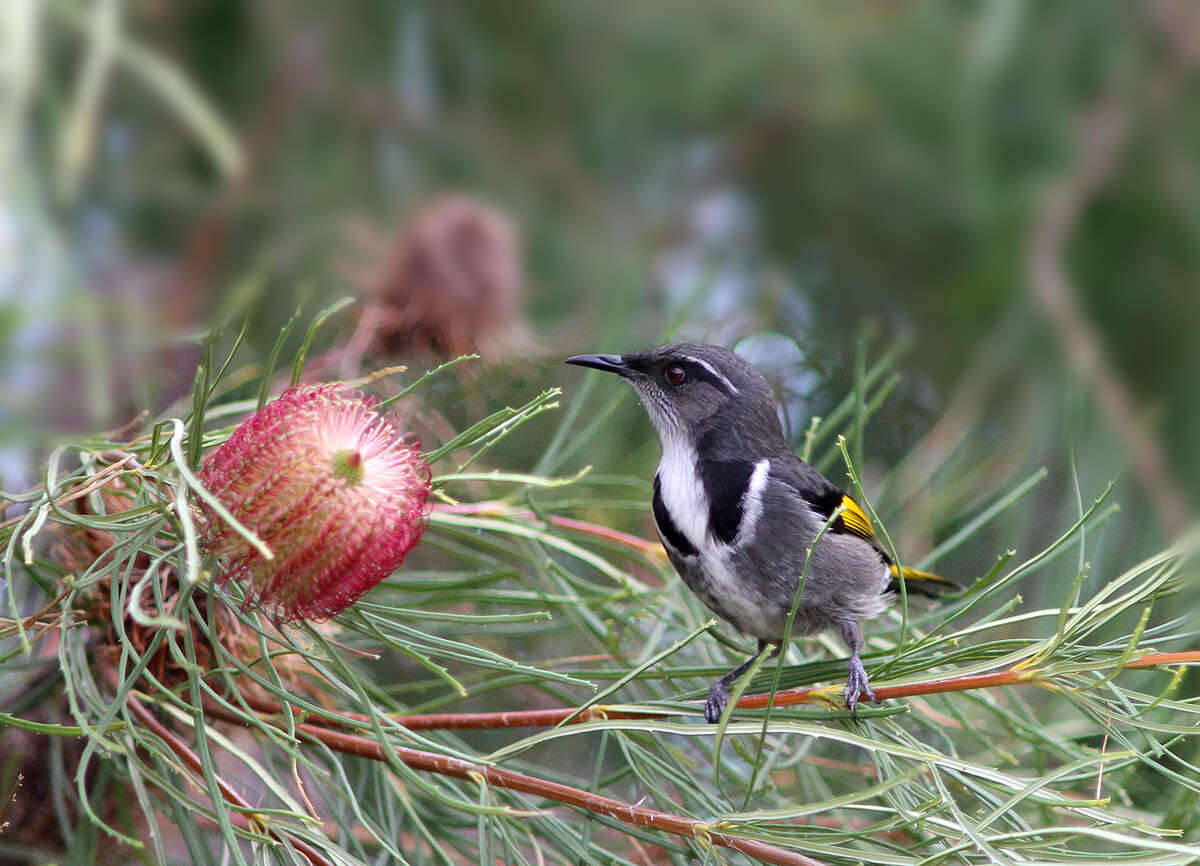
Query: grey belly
844, 583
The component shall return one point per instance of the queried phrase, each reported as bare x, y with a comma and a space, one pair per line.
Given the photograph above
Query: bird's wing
855, 520
823, 497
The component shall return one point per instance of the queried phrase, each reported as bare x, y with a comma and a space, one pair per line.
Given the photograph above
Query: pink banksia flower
330, 485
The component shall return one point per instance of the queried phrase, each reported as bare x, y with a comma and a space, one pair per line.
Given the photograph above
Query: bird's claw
718, 698
857, 684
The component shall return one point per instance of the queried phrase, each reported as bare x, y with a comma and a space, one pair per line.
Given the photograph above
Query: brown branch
788, 697
231, 796
325, 731
1153, 660
1101, 137
459, 721
652, 549
639, 816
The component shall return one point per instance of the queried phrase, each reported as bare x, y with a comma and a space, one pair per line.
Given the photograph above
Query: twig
652, 549
245, 822
325, 731
639, 816
1101, 136
810, 694
463, 721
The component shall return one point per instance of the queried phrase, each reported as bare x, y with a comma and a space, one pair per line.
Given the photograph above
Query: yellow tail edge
926, 583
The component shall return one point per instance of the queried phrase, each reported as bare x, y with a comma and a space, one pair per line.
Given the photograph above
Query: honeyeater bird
737, 510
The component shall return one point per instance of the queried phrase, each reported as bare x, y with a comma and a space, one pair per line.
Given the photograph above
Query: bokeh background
1006, 194
986, 214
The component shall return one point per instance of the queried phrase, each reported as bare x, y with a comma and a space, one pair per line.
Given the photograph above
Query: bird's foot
857, 685
718, 697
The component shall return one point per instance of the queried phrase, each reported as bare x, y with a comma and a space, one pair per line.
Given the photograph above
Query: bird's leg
718, 695
857, 682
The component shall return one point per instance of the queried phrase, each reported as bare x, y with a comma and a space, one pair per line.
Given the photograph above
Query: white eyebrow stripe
707, 366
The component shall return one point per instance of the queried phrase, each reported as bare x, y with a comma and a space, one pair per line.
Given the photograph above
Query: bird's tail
924, 583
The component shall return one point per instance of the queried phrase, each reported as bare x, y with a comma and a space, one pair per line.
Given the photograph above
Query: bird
737, 511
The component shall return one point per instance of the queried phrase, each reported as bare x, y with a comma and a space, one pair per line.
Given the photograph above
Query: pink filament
334, 536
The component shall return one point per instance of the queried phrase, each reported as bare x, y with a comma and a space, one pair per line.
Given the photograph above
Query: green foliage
891, 159
510, 606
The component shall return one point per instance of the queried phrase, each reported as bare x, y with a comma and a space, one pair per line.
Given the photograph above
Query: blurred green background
1010, 189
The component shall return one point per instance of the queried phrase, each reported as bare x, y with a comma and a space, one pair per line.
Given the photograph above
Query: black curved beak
608, 363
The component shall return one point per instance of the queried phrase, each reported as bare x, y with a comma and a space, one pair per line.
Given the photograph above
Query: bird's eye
675, 374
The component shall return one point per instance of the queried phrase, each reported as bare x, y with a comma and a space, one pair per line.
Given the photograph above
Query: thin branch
639, 816
353, 744
244, 821
652, 549
810, 694
463, 721
1100, 139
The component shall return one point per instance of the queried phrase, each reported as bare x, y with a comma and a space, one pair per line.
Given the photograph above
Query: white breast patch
715, 575
682, 491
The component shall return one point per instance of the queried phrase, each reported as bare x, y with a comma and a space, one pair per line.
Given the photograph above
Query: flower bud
332, 488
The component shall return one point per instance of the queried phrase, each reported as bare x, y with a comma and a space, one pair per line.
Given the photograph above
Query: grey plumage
737, 510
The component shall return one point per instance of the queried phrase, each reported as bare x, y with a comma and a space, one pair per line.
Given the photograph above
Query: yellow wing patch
856, 520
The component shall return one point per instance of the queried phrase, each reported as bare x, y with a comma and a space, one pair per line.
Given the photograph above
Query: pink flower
333, 489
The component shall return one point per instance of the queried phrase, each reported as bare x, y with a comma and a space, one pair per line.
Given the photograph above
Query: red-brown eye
675, 374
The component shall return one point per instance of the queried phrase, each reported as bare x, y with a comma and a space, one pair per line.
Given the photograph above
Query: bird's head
693, 389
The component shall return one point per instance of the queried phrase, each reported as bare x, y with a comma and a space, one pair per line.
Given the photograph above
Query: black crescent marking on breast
725, 483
